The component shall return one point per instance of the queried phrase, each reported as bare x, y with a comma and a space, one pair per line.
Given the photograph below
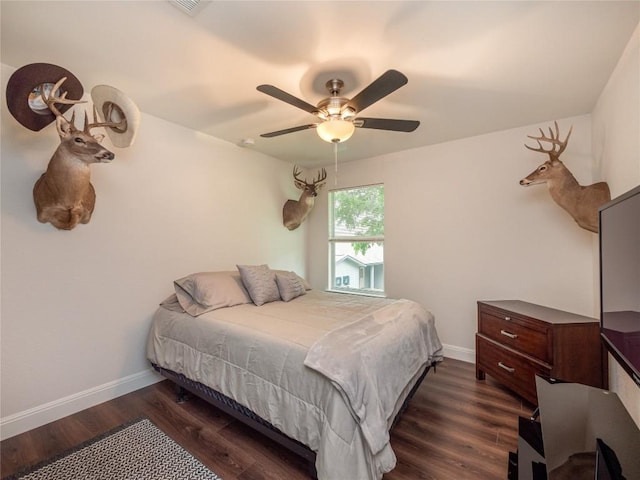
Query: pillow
290, 285
171, 303
260, 282
202, 292
306, 284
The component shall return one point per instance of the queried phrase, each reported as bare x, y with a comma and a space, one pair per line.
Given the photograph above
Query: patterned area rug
134, 451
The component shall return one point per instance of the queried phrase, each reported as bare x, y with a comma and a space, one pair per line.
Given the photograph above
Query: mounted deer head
581, 202
295, 212
63, 195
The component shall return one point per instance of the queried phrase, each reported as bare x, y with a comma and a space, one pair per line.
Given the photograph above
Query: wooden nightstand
517, 340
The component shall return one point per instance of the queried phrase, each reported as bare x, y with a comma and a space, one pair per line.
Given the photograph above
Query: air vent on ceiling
190, 7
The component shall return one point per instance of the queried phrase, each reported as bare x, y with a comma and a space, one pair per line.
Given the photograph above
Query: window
356, 240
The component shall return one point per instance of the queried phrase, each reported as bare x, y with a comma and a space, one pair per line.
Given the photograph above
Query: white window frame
336, 239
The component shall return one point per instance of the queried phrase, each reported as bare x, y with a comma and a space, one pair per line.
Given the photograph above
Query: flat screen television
620, 280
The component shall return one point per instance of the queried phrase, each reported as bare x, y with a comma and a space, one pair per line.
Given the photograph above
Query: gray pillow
307, 285
290, 285
202, 292
260, 282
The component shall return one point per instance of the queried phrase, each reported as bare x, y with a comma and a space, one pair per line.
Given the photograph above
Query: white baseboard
459, 353
42, 414
49, 412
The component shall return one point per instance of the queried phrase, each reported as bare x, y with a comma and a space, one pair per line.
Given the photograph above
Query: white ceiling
473, 67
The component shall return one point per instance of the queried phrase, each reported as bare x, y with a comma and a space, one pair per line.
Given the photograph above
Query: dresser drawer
510, 368
534, 340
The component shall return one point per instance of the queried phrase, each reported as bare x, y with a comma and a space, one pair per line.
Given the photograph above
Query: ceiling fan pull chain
335, 159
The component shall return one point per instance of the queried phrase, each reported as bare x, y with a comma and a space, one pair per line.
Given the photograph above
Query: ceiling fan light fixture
335, 130
333, 109
337, 114
348, 113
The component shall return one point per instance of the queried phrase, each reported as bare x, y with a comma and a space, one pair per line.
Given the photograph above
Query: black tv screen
620, 279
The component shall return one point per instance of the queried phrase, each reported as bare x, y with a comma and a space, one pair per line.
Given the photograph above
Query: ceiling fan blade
275, 92
388, 82
387, 124
288, 130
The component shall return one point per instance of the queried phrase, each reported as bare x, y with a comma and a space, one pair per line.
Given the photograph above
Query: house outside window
356, 240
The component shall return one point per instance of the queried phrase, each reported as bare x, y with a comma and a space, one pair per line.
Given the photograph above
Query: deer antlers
51, 99
294, 212
88, 126
553, 139
322, 176
580, 201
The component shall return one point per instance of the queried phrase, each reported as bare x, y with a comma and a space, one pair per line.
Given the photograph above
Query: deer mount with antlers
64, 195
581, 202
294, 212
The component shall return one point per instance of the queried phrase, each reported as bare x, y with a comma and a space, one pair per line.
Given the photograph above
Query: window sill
364, 293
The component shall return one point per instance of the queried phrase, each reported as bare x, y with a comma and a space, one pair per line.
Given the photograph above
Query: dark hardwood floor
455, 428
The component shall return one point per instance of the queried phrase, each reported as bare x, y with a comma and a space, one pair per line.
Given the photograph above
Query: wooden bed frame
249, 418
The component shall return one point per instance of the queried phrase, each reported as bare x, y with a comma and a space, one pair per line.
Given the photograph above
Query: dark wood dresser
517, 340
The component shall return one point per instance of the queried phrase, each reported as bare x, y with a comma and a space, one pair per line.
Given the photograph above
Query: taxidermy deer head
63, 195
581, 202
294, 212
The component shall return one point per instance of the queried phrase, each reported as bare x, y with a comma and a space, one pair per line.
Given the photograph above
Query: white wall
459, 228
616, 147
76, 304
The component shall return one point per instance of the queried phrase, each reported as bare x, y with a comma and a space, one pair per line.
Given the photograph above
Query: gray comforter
330, 370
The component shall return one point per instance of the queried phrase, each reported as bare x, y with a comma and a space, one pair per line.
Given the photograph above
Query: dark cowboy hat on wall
23, 93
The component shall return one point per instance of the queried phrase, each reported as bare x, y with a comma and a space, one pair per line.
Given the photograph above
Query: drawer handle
508, 319
504, 367
508, 334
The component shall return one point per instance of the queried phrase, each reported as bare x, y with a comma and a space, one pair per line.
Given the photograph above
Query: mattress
318, 368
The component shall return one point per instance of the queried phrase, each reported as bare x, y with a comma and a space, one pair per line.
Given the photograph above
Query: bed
325, 374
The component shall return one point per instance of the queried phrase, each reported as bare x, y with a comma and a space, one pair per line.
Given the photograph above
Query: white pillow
260, 282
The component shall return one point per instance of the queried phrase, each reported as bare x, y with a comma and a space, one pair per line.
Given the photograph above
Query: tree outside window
356, 240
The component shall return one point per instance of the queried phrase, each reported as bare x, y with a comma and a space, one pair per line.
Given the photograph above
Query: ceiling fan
338, 114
